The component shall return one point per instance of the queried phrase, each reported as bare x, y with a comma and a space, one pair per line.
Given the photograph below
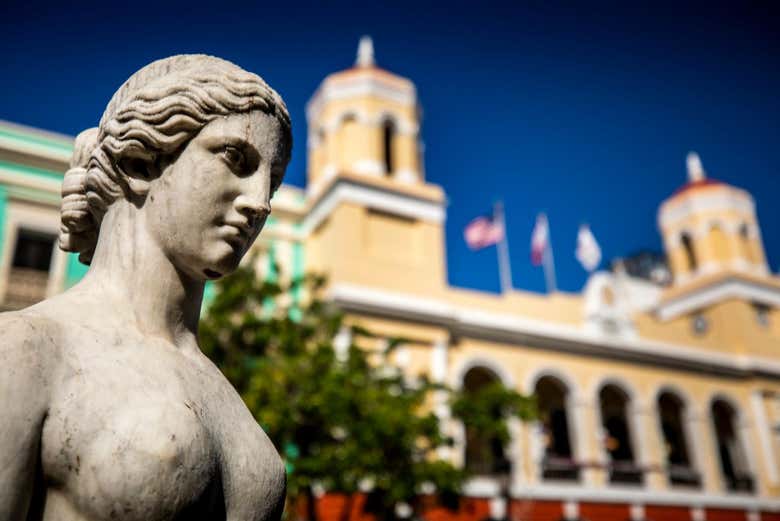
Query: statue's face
207, 207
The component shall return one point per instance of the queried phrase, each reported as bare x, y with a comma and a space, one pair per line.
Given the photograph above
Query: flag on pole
541, 251
588, 250
483, 232
539, 240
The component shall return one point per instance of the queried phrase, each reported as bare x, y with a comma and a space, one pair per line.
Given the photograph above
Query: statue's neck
131, 270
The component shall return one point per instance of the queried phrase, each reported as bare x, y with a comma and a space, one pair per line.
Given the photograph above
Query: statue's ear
139, 173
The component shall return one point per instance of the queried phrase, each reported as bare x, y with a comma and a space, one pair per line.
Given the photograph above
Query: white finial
365, 54
695, 170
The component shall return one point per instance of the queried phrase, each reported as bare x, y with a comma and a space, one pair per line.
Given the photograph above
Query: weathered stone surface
108, 408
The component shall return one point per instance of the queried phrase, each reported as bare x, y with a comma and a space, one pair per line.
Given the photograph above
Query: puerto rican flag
539, 240
483, 232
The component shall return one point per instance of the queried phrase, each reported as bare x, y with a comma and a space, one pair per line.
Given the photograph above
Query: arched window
483, 455
388, 137
690, 255
733, 463
558, 461
614, 417
744, 243
679, 469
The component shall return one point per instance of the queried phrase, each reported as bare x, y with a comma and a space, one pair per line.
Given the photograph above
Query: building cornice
367, 194
730, 287
360, 82
716, 198
35, 142
516, 329
12, 174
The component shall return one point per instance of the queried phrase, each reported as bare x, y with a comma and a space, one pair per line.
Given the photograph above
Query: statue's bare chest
135, 437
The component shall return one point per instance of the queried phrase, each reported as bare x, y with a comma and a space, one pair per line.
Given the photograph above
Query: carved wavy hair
157, 111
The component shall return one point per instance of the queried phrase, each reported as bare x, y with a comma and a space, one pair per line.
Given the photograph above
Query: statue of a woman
108, 408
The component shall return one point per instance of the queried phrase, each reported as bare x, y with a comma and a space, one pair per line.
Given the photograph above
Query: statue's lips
235, 234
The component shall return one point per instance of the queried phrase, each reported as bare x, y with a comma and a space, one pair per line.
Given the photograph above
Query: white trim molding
359, 83
391, 202
645, 497
720, 197
722, 290
542, 333
369, 167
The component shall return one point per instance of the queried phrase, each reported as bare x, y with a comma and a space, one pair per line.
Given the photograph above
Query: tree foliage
344, 421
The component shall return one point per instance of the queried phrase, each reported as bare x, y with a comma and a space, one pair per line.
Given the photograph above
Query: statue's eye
234, 157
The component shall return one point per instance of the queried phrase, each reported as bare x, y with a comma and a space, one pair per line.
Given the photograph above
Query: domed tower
372, 219
364, 120
720, 275
710, 227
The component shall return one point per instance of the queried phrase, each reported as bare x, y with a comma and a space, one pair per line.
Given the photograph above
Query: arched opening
558, 462
484, 455
388, 138
690, 255
745, 247
614, 417
671, 412
733, 462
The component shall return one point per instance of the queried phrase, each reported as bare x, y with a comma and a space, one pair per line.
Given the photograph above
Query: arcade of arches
617, 437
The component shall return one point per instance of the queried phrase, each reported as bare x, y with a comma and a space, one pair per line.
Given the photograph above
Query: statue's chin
224, 266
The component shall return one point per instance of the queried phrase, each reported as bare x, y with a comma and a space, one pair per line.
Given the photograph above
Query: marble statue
108, 408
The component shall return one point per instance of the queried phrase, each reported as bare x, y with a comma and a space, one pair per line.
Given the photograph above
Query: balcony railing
25, 287
740, 483
683, 475
560, 468
625, 473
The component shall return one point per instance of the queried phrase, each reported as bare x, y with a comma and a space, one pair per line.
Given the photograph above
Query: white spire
365, 54
695, 170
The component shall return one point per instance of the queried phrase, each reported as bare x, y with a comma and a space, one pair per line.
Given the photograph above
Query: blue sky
583, 111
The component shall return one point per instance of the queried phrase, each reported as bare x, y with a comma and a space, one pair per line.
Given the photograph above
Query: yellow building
658, 402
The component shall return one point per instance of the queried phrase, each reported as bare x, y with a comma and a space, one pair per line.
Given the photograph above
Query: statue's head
197, 146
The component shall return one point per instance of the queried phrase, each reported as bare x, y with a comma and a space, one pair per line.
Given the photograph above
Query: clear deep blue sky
584, 112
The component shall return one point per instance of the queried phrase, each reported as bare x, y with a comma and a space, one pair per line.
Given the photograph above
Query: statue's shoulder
29, 341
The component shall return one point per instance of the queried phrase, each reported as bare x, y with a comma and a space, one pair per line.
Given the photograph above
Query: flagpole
504, 269
548, 262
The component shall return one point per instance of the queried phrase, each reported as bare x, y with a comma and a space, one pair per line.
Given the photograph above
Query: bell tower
710, 227
364, 120
373, 220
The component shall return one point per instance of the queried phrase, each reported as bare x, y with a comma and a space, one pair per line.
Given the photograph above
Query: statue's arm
24, 397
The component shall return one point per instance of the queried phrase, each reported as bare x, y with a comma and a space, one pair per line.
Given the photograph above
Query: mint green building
32, 267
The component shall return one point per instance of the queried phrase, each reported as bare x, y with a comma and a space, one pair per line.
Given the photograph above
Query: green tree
343, 420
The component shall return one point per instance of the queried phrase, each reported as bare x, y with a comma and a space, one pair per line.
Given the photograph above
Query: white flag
588, 251
539, 239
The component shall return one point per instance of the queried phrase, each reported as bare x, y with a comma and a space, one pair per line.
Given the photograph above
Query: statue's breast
121, 443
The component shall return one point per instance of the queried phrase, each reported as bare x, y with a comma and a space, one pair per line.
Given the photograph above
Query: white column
706, 450
638, 423
341, 343
535, 451
694, 444
439, 363
581, 412
763, 430
745, 441
515, 453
